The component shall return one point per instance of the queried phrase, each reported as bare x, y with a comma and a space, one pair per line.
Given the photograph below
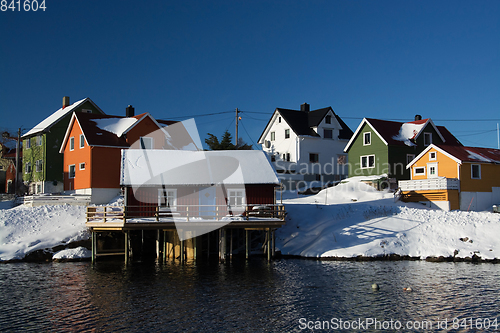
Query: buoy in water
375, 286
408, 289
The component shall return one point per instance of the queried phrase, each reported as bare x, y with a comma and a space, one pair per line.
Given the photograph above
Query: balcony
440, 183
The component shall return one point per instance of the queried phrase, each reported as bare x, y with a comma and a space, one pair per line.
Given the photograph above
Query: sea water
287, 295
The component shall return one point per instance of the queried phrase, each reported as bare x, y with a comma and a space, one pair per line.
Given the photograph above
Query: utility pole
236, 137
17, 160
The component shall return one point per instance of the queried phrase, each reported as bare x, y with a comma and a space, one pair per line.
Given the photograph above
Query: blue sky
176, 59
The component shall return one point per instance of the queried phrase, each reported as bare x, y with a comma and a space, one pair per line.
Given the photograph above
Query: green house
42, 164
385, 147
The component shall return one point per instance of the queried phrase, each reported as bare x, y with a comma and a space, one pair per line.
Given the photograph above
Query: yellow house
454, 177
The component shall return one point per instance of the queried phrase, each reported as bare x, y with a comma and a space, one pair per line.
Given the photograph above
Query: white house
307, 147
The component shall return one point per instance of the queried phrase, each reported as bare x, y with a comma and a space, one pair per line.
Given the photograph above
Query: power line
248, 134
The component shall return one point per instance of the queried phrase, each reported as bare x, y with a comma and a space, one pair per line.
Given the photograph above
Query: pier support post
247, 243
273, 253
182, 252
126, 246
164, 246
94, 246
268, 244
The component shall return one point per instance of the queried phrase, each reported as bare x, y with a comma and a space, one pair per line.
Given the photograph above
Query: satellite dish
268, 144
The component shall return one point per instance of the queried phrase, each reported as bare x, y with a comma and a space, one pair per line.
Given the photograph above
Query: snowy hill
353, 219
347, 220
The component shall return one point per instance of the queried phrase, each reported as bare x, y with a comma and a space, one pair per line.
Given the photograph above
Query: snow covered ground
347, 220
353, 219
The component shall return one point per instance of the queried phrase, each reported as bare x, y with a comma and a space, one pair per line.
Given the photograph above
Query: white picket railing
430, 184
40, 200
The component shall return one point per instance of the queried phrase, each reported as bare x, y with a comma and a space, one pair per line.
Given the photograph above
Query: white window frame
69, 171
27, 167
39, 140
429, 169
472, 171
324, 133
415, 174
170, 194
39, 166
427, 139
72, 143
80, 166
28, 143
287, 133
328, 119
273, 136
82, 141
432, 156
367, 161
144, 139
365, 136
236, 198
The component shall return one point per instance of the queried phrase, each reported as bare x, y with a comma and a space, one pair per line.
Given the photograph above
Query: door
207, 200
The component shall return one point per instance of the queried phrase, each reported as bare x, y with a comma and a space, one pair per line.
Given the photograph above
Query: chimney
65, 101
129, 111
418, 117
304, 107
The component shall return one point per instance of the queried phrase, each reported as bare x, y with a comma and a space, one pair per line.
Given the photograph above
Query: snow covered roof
461, 154
115, 125
397, 133
142, 167
56, 116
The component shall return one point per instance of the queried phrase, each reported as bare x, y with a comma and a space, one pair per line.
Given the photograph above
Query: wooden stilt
247, 244
268, 247
182, 252
195, 247
273, 253
126, 246
164, 246
158, 244
94, 246
231, 246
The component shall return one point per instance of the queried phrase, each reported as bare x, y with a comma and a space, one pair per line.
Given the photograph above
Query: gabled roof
462, 154
303, 123
150, 167
48, 122
395, 133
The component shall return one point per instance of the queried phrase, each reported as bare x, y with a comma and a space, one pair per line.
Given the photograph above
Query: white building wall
480, 201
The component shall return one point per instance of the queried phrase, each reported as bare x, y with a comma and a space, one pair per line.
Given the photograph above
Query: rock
375, 286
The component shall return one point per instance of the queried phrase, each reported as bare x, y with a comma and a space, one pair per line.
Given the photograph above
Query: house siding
75, 157
447, 167
377, 148
489, 178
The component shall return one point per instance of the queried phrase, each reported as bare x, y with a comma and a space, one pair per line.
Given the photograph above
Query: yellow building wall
447, 167
490, 177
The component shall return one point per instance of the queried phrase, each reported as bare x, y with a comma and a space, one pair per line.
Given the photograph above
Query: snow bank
375, 225
78, 253
26, 229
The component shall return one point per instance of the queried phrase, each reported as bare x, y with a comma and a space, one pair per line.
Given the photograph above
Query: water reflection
243, 296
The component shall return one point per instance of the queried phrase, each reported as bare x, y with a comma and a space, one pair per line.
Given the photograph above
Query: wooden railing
48, 199
429, 184
185, 212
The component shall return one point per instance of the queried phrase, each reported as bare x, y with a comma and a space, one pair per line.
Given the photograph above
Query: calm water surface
255, 296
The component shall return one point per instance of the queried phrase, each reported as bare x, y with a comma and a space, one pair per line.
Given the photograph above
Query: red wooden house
92, 150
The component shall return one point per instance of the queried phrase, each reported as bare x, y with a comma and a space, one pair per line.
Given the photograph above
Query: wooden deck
115, 218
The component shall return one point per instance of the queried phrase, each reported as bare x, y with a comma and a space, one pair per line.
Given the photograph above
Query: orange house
454, 177
92, 150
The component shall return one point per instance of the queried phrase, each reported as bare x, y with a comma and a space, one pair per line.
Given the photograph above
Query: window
427, 139
71, 143
318, 177
38, 188
236, 197
367, 139
27, 168
167, 199
313, 158
367, 161
82, 141
82, 166
28, 143
86, 111
420, 171
287, 133
39, 140
327, 133
328, 119
39, 166
475, 171
279, 119
146, 142
432, 169
341, 159
273, 158
71, 171
409, 158
286, 157
273, 136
